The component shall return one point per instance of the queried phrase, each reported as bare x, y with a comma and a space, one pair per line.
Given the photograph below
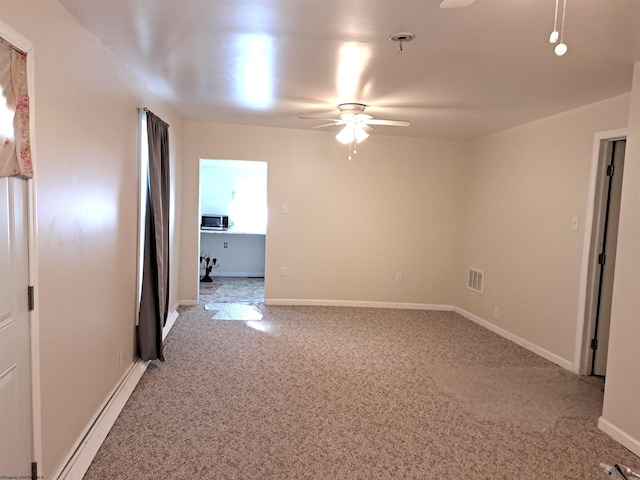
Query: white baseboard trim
171, 319
619, 436
552, 357
189, 303
357, 303
83, 454
237, 274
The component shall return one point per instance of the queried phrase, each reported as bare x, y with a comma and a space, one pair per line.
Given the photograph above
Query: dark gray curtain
154, 301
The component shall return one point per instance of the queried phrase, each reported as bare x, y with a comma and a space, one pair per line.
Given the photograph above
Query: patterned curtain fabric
15, 148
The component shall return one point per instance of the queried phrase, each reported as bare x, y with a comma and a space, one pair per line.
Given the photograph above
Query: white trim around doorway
22, 43
584, 322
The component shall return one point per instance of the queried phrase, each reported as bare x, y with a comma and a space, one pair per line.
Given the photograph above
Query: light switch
284, 208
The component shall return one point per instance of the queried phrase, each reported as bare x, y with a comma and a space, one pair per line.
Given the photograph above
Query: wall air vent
475, 280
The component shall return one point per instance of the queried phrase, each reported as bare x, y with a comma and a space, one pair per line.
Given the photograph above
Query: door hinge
34, 470
594, 344
610, 169
602, 258
30, 300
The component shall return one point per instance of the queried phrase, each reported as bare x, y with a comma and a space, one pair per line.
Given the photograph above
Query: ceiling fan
455, 3
355, 123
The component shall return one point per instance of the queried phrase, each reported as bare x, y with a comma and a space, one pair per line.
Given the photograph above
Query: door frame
583, 355
204, 161
17, 40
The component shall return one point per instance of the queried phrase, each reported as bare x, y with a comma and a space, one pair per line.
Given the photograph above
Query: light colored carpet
352, 393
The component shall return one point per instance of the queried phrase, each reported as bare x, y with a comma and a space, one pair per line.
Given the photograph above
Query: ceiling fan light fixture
346, 135
360, 134
351, 133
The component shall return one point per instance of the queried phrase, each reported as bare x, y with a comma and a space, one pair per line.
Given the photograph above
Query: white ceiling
469, 71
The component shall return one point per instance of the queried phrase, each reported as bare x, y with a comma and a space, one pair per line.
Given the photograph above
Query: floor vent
475, 280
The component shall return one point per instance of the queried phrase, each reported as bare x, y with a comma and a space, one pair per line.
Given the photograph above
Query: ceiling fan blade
455, 3
321, 119
337, 122
393, 123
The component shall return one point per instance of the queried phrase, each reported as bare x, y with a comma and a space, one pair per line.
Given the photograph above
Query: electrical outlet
496, 313
399, 277
575, 222
283, 271
120, 360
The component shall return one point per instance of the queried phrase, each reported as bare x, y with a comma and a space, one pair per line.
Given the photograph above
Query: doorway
19, 339
235, 191
602, 256
15, 336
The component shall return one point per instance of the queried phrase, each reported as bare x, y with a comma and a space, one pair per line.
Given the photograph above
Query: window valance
15, 147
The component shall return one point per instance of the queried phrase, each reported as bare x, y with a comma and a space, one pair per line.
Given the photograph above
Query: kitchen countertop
232, 231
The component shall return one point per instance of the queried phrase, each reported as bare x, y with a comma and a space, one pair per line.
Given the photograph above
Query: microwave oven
214, 222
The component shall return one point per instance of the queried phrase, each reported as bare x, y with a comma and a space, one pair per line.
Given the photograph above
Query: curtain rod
146, 110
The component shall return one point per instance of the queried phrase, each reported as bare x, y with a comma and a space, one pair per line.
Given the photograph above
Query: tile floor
233, 298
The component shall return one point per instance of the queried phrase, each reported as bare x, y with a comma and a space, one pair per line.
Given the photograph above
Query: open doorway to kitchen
233, 227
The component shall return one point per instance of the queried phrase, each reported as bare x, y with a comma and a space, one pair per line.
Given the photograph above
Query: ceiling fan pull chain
564, 11
553, 38
561, 48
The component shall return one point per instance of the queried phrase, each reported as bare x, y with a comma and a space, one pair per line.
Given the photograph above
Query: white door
15, 344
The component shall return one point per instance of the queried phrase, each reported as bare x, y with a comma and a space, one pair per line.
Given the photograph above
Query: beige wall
86, 179
352, 225
524, 185
621, 413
